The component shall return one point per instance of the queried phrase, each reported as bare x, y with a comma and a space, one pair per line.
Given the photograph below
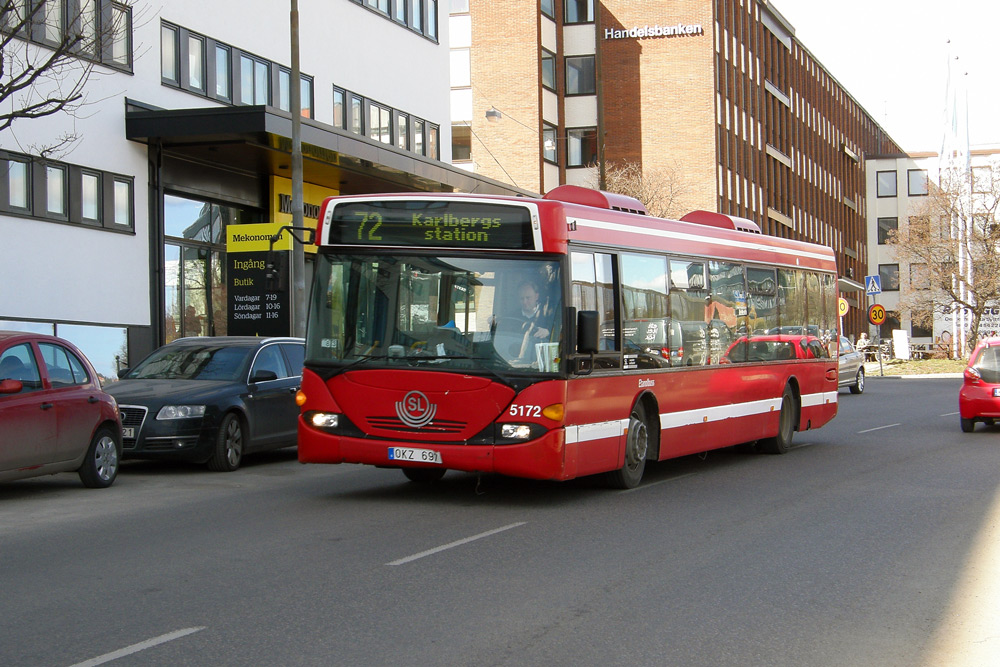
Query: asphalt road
867, 544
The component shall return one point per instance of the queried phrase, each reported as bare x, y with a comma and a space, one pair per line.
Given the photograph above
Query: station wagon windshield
193, 362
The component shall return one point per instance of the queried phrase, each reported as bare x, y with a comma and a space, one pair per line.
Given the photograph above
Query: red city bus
558, 337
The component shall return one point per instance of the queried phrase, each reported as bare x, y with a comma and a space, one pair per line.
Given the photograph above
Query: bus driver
532, 312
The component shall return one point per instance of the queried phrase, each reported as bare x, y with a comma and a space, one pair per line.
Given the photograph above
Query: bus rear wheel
636, 448
424, 475
782, 442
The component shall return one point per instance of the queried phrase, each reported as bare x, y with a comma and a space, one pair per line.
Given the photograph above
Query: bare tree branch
662, 190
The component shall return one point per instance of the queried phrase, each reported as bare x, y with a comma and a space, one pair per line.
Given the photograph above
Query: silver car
852, 367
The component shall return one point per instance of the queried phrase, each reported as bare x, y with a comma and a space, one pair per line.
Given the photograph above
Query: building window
403, 131
339, 99
916, 180
18, 184
548, 70
52, 18
889, 275
548, 8
578, 11
418, 137
380, 5
580, 79
581, 147
254, 81
886, 226
168, 54
222, 73
90, 198
920, 279
306, 96
461, 143
86, 21
121, 35
55, 191
433, 149
921, 325
355, 122
380, 123
196, 63
886, 183
123, 203
432, 19
418, 15
550, 147
399, 11
891, 322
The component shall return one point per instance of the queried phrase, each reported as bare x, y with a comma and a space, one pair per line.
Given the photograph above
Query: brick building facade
718, 93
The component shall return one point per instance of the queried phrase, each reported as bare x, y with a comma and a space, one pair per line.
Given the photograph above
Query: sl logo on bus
415, 410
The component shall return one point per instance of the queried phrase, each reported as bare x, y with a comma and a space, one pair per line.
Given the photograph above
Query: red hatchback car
979, 399
54, 417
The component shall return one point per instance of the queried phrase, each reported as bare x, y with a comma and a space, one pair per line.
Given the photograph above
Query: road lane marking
951, 414
457, 543
877, 428
141, 646
662, 481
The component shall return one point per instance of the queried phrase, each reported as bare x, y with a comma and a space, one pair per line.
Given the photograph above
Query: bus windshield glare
448, 313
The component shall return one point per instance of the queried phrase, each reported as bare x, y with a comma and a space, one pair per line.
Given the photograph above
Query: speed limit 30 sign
876, 313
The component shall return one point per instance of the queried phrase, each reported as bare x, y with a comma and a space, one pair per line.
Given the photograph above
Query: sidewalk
872, 371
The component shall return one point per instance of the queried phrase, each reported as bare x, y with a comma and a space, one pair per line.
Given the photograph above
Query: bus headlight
515, 431
325, 420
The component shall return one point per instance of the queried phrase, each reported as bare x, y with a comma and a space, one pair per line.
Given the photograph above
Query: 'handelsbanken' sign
678, 30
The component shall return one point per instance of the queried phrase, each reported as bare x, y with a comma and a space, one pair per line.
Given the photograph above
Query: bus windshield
448, 313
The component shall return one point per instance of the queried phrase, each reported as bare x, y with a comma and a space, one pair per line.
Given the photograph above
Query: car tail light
972, 375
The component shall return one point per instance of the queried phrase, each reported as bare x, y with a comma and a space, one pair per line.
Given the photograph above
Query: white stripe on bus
706, 415
682, 236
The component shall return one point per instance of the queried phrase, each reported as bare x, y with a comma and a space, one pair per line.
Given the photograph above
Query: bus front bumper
541, 458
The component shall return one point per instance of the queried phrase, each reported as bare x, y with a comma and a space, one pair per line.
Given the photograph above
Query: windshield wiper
504, 379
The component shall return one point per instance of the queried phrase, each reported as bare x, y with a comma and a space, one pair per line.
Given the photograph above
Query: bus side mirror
587, 331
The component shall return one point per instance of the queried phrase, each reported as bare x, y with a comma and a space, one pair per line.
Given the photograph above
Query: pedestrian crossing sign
873, 285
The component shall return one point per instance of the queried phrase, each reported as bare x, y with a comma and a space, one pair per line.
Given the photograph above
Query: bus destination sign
434, 224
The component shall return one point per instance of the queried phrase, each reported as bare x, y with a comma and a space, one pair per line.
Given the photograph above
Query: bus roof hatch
722, 220
574, 194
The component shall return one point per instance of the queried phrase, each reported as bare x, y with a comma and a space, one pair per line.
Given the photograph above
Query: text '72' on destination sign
448, 224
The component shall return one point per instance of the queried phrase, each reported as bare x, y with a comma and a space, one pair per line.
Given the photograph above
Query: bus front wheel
636, 448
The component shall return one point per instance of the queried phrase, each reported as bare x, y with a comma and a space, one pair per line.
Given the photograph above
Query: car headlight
181, 412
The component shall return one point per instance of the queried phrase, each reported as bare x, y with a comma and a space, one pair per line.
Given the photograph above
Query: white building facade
120, 239
896, 191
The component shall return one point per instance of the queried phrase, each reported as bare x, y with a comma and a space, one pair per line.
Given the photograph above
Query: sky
892, 55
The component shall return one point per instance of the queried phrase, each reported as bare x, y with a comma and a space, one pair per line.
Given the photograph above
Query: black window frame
37, 193
591, 88
550, 58
883, 230
909, 183
586, 163
885, 272
879, 193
